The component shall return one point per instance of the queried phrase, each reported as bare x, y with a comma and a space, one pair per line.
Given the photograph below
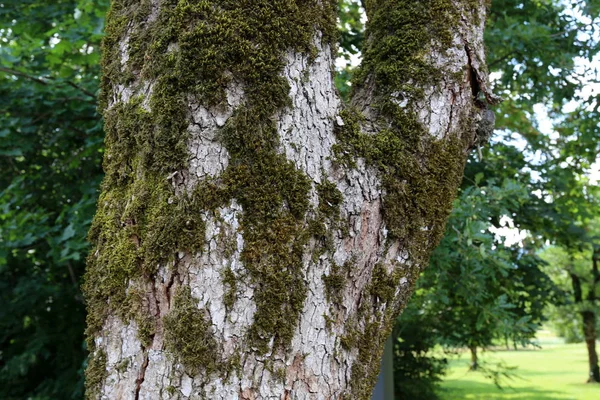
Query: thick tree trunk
255, 238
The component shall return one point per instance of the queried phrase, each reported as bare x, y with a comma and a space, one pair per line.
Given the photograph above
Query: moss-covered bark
160, 224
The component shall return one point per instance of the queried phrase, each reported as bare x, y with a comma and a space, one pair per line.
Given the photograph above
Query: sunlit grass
557, 371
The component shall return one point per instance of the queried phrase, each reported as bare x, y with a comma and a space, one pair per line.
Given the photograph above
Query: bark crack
477, 80
474, 79
141, 375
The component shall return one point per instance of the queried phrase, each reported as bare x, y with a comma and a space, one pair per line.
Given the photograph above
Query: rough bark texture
255, 237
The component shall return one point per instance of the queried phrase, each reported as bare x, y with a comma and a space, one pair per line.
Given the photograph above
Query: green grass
557, 371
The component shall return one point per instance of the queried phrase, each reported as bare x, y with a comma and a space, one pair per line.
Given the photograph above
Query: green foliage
50, 152
51, 146
418, 368
533, 48
351, 27
476, 288
475, 292
540, 66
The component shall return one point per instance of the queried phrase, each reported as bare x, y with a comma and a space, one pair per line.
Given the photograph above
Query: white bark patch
306, 129
439, 110
206, 281
208, 157
124, 358
124, 50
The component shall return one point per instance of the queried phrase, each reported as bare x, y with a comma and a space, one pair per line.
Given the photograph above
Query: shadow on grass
455, 389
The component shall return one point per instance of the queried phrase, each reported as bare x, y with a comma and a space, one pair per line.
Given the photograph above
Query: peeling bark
336, 247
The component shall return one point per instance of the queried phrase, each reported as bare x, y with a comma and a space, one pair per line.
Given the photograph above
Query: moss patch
335, 282
377, 328
419, 174
188, 334
327, 219
95, 374
230, 280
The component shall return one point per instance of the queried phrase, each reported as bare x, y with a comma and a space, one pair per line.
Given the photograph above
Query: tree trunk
255, 238
589, 322
474, 360
589, 330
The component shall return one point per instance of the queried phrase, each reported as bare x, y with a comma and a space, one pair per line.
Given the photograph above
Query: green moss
398, 36
230, 280
122, 366
366, 367
419, 174
171, 390
146, 328
188, 334
327, 220
377, 328
330, 199
336, 281
95, 374
383, 285
233, 365
280, 374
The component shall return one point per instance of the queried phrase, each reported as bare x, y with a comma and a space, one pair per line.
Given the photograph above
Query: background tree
50, 154
560, 158
577, 273
476, 292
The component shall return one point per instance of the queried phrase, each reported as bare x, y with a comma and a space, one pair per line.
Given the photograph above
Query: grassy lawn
556, 372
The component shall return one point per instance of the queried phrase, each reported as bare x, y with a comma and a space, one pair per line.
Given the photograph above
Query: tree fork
255, 237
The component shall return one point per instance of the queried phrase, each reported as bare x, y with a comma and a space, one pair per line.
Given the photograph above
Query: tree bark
255, 237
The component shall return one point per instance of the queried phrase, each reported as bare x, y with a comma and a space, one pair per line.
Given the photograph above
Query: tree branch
45, 83
23, 74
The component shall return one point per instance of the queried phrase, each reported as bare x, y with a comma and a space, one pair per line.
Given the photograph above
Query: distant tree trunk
255, 237
589, 320
589, 330
474, 359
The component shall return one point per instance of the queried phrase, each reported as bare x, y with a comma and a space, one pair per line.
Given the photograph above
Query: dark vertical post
384, 389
